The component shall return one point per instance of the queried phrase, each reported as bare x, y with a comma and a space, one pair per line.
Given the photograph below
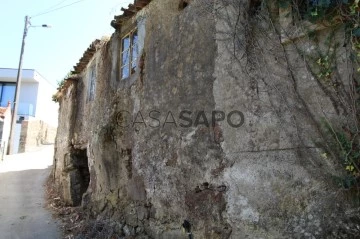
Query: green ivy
349, 155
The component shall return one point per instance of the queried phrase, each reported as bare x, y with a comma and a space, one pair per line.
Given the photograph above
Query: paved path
22, 212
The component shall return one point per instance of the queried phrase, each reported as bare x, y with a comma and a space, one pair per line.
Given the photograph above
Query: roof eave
129, 12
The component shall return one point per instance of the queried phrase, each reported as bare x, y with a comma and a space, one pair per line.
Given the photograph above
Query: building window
129, 54
7, 93
92, 80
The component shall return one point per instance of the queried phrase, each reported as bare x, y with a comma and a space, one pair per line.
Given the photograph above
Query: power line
52, 7
53, 10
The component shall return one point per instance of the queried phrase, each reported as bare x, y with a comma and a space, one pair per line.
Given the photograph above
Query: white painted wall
28, 99
35, 95
35, 100
9, 75
47, 110
5, 132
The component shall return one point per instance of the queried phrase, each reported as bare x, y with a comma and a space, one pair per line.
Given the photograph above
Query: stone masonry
271, 177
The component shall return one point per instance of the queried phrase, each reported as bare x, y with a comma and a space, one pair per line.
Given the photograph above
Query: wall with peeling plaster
266, 179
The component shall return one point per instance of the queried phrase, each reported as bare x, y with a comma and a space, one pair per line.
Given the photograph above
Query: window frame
132, 62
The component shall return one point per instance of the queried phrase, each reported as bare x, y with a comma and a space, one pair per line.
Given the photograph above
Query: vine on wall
335, 14
245, 35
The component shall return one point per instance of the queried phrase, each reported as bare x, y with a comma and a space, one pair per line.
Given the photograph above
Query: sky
53, 51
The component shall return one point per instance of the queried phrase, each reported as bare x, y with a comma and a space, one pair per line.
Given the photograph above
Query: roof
85, 59
28, 75
118, 20
80, 66
129, 12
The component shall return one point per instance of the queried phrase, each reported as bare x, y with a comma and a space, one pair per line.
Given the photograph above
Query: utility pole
18, 85
17, 89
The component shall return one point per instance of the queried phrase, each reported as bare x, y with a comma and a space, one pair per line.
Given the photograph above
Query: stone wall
35, 133
265, 179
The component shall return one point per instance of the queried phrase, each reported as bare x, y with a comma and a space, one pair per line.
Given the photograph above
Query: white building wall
28, 99
47, 110
6, 132
10, 74
35, 100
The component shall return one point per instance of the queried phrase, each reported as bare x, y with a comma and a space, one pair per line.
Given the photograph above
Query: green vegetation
322, 64
60, 85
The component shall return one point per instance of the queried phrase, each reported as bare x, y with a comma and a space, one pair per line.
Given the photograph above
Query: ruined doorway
80, 175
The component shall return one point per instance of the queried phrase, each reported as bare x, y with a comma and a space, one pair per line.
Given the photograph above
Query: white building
35, 99
5, 124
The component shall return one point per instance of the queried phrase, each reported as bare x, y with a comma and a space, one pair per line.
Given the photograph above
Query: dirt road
22, 212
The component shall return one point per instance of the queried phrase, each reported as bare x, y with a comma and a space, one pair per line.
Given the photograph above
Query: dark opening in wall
183, 4
80, 176
254, 7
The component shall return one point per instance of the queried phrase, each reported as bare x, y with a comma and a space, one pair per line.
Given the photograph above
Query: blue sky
53, 51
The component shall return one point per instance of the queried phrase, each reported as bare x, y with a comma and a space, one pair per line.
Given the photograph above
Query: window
7, 93
129, 54
92, 78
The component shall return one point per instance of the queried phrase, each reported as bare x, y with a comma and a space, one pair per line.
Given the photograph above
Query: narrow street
22, 212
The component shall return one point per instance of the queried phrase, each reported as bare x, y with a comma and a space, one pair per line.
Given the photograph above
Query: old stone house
221, 113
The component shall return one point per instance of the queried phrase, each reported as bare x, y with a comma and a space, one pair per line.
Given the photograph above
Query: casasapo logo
183, 119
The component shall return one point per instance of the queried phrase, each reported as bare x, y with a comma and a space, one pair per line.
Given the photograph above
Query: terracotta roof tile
129, 12
85, 59
80, 67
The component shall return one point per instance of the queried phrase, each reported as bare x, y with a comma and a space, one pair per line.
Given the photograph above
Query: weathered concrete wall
279, 185
266, 179
63, 142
